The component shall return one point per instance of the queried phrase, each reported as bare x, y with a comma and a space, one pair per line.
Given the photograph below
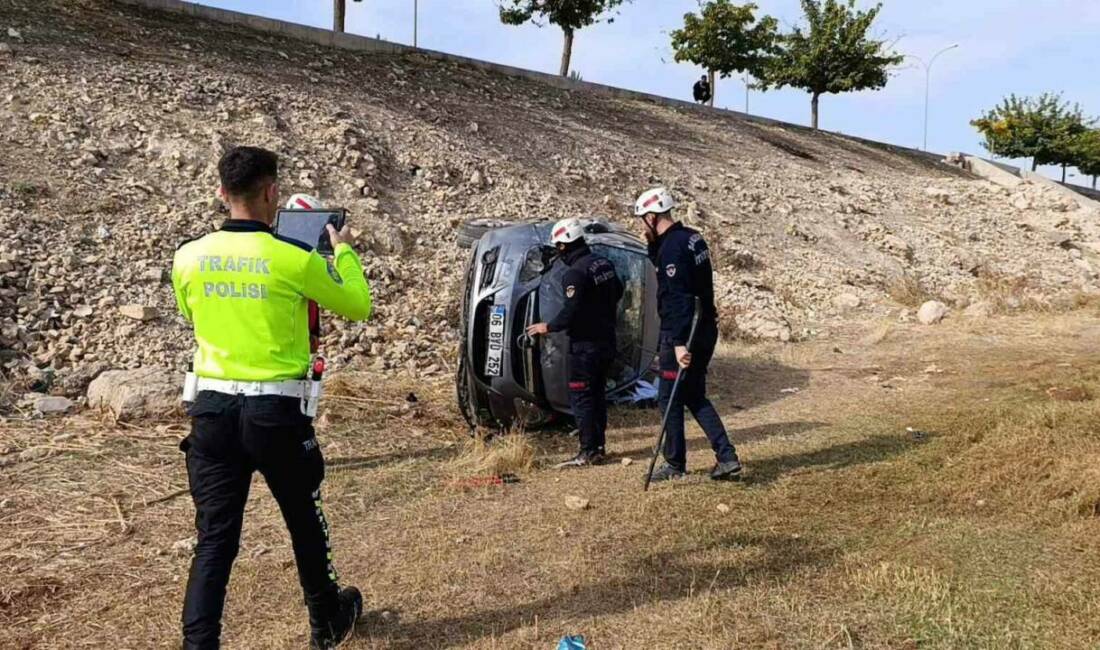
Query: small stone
138, 312
473, 128
5, 48
627, 461
846, 301
185, 547
14, 33
576, 503
83, 311
931, 312
723, 508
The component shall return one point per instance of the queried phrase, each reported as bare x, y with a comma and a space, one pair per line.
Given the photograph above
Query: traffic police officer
592, 291
684, 273
245, 290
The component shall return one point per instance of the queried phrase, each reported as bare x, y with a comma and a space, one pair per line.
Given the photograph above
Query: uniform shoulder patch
570, 291
332, 272
670, 270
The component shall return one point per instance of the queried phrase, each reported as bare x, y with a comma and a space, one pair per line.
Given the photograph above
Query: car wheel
471, 231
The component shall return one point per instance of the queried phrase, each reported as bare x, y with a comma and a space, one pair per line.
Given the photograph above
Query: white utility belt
307, 390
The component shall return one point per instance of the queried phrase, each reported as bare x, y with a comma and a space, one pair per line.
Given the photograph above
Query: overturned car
513, 279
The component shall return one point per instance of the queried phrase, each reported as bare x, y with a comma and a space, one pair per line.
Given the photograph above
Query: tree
339, 10
833, 55
723, 39
1043, 129
1086, 154
570, 15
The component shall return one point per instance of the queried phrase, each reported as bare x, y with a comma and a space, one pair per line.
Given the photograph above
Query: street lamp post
928, 85
416, 12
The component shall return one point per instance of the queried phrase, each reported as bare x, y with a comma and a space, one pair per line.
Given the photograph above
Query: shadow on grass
656, 579
347, 463
860, 452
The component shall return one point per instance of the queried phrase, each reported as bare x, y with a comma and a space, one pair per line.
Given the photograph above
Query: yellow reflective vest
245, 290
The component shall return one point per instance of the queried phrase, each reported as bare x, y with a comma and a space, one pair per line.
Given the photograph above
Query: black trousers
692, 393
231, 437
589, 362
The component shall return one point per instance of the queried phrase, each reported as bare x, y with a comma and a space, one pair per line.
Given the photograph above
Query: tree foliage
725, 38
1085, 153
833, 53
569, 15
1044, 129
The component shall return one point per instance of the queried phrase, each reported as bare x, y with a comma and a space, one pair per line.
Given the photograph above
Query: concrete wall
372, 45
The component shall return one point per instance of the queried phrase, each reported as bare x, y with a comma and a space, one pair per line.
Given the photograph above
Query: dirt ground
906, 487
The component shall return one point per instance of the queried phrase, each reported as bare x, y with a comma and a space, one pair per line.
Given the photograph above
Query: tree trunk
713, 88
1063, 172
338, 7
1034, 164
813, 111
566, 52
1094, 182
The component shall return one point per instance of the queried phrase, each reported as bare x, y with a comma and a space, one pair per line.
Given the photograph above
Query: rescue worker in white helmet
592, 292
684, 273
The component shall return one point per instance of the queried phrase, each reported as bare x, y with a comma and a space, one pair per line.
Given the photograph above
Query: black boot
333, 622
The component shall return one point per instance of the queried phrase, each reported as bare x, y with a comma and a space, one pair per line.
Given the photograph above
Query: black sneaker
666, 472
584, 459
727, 471
330, 635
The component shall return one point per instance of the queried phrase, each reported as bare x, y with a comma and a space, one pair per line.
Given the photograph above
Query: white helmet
656, 201
566, 231
304, 202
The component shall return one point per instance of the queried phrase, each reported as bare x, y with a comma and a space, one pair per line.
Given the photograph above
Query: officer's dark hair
244, 171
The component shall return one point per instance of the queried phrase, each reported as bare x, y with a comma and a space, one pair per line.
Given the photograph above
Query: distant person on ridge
701, 90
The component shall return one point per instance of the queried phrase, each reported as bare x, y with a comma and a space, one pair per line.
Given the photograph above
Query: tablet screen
308, 226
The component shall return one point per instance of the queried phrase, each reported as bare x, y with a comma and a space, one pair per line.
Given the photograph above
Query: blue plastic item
575, 642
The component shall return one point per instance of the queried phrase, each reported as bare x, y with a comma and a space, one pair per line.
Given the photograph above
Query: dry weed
511, 453
908, 290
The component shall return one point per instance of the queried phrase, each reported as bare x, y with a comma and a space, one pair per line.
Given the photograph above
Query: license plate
495, 357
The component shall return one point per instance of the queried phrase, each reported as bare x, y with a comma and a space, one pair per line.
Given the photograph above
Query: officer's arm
678, 267
573, 285
338, 285
179, 288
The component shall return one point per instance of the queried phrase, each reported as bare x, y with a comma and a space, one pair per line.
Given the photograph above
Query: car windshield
629, 330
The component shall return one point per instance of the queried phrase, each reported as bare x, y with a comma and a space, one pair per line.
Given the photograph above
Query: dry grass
1011, 293
907, 289
849, 531
512, 453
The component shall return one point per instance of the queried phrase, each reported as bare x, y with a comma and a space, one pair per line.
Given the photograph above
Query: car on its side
513, 279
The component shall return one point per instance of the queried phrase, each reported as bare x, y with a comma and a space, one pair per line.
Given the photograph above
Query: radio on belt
313, 397
190, 384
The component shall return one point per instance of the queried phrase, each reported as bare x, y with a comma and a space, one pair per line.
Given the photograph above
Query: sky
1026, 47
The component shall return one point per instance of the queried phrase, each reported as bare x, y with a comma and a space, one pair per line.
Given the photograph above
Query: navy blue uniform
684, 273
592, 291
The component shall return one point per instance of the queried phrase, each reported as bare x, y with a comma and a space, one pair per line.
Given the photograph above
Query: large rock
138, 312
931, 312
137, 394
52, 405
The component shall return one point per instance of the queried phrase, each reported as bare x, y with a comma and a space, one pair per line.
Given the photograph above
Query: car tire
471, 231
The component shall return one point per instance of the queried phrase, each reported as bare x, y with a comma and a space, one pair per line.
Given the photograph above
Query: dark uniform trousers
692, 393
231, 437
589, 362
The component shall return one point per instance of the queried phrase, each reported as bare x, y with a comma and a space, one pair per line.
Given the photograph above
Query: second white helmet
304, 202
655, 201
567, 231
